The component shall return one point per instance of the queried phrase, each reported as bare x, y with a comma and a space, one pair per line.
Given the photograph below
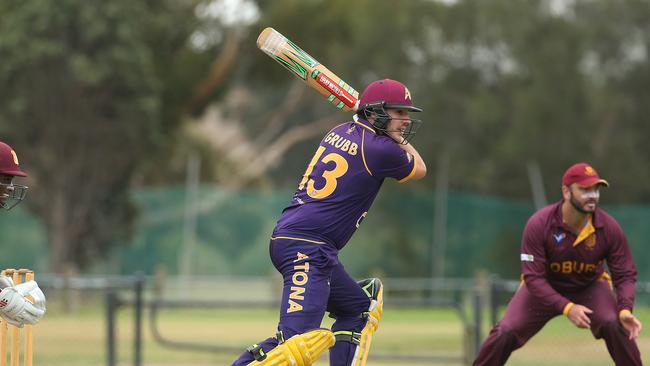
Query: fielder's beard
576, 204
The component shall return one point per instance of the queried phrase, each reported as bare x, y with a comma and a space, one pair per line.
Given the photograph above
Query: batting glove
16, 310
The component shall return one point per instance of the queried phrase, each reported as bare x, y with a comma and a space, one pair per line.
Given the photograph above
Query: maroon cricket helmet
9, 161
391, 93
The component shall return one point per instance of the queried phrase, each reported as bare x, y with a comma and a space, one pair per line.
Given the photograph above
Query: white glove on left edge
16, 309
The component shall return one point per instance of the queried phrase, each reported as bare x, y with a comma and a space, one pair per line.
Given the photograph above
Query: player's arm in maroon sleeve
533, 266
621, 264
622, 267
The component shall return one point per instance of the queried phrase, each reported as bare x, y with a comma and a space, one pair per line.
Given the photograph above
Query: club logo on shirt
591, 242
559, 236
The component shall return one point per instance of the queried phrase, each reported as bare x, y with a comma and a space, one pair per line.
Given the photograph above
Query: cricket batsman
565, 250
15, 309
333, 198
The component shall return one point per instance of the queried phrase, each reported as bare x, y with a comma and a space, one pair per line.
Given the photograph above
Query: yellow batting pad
376, 308
375, 312
299, 350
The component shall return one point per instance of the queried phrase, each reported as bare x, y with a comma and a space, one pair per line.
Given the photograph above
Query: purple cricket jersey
556, 262
341, 182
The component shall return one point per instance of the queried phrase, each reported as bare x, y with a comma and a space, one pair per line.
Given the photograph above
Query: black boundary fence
471, 299
452, 295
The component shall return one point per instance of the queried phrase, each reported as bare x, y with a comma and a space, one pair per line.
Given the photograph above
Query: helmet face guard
11, 195
382, 118
388, 94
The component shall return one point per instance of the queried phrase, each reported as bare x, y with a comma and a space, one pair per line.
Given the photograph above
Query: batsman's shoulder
384, 151
344, 126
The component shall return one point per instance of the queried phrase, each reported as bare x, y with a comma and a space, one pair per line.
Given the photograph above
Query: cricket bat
301, 64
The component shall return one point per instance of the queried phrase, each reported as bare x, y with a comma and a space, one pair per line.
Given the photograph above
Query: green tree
82, 99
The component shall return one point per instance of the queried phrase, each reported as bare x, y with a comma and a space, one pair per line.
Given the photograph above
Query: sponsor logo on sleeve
526, 257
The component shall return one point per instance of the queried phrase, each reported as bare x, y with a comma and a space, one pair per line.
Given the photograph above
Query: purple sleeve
533, 265
387, 159
621, 265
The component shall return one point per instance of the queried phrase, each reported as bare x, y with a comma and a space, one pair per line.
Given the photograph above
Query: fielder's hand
16, 310
631, 324
579, 315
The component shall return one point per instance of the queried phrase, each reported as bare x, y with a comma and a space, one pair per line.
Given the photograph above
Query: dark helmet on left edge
10, 194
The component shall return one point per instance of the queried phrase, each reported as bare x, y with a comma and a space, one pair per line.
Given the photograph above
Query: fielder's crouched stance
564, 249
334, 196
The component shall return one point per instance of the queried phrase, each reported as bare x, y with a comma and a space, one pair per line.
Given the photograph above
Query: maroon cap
582, 174
391, 92
9, 161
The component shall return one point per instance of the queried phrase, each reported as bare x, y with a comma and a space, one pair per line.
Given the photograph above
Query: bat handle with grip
272, 43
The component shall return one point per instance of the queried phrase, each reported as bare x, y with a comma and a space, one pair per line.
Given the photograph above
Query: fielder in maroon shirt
568, 251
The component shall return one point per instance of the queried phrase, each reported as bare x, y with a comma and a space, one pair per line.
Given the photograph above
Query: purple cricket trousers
525, 316
314, 282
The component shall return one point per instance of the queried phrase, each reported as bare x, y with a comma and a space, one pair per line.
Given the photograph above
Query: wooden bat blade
308, 69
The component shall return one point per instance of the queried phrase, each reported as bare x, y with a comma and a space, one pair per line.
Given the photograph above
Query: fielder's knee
607, 328
508, 336
299, 350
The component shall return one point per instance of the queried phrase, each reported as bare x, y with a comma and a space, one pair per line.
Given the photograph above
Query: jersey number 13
330, 176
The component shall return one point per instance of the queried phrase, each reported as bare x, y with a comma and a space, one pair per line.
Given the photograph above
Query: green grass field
79, 339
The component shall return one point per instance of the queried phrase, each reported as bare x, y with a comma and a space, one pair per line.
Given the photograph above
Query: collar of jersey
586, 231
362, 122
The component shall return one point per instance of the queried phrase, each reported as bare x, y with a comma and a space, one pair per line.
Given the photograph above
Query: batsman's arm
420, 166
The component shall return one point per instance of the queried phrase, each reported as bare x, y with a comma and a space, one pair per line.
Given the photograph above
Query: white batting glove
6, 281
16, 310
